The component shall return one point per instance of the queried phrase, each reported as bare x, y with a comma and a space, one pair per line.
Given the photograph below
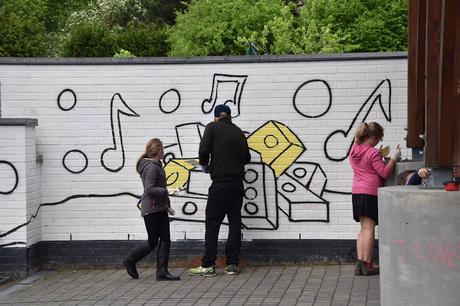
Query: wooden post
434, 79
416, 74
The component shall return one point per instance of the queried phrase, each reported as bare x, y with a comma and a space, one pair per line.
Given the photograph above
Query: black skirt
365, 205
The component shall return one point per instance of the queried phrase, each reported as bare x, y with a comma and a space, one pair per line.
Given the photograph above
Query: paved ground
273, 285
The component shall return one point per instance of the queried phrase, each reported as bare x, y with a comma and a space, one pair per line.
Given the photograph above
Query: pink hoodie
368, 168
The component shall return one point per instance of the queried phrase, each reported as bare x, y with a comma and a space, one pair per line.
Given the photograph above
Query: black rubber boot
139, 252
162, 262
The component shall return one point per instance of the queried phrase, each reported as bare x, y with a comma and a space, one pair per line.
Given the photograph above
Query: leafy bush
144, 39
90, 40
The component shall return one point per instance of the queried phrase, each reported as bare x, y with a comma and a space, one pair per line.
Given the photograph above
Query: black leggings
157, 225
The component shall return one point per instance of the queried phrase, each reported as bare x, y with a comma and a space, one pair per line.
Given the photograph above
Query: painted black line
161, 99
375, 97
170, 155
197, 125
131, 113
74, 100
217, 79
336, 191
194, 208
67, 168
13, 243
15, 174
76, 196
329, 103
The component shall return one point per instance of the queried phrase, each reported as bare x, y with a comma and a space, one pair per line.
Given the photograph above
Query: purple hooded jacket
368, 168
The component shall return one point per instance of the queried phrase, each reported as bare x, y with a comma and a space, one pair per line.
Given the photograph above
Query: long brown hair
152, 150
368, 130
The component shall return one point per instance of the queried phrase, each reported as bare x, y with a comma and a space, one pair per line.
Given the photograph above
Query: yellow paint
278, 146
177, 173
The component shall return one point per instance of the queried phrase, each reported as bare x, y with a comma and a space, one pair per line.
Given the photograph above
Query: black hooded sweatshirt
228, 148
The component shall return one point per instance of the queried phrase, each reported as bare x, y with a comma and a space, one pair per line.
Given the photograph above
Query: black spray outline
16, 183
240, 80
345, 133
197, 124
317, 166
114, 148
59, 100
307, 186
173, 156
71, 171
76, 196
274, 226
195, 207
323, 201
330, 99
161, 98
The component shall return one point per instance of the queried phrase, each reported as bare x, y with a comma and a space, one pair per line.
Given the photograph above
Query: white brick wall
12, 169
32, 187
32, 91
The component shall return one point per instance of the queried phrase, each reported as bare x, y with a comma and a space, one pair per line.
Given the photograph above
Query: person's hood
358, 150
146, 163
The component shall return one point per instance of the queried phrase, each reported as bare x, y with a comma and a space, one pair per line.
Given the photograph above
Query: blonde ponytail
368, 130
152, 150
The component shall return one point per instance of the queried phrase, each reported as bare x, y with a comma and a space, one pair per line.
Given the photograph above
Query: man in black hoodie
223, 153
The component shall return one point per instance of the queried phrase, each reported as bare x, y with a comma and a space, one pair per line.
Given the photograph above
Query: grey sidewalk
271, 285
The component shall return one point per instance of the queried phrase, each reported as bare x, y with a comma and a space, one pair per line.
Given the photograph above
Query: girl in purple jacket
155, 208
369, 171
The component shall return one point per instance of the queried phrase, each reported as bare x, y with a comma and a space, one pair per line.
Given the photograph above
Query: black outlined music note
338, 144
117, 106
220, 80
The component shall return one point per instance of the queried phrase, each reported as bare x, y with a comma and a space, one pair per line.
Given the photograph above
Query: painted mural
279, 181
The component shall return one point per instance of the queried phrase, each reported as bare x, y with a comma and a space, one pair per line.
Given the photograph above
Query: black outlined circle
173, 109
251, 208
250, 193
174, 178
74, 100
16, 180
300, 172
271, 141
288, 187
329, 103
186, 206
250, 176
73, 171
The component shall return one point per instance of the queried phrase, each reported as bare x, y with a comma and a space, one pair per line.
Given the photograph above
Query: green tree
225, 27
22, 28
353, 26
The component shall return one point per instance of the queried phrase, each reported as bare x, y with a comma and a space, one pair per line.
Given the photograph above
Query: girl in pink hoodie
369, 171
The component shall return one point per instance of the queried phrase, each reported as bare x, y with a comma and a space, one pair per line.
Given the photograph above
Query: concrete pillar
419, 246
19, 196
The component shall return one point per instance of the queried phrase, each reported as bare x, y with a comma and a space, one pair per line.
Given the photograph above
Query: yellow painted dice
177, 173
278, 146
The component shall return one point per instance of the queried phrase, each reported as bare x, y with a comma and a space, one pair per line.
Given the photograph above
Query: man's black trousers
225, 198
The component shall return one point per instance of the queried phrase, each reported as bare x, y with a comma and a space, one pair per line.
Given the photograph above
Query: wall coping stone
18, 121
204, 59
